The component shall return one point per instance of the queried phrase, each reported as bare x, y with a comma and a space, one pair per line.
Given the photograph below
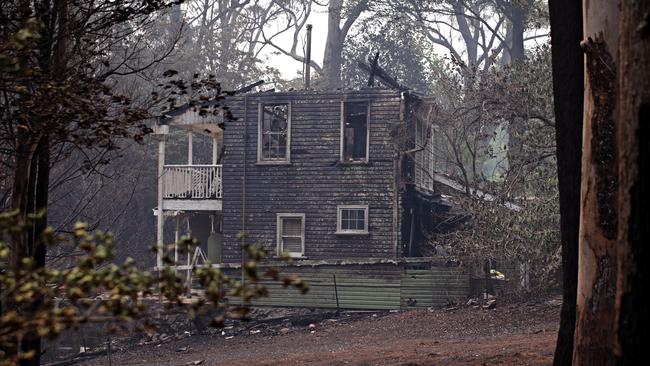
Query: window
291, 234
354, 131
352, 219
274, 133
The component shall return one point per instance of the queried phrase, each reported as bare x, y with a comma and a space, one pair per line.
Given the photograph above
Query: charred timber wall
315, 182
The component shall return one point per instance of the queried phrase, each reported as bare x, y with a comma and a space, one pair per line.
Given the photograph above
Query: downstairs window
291, 234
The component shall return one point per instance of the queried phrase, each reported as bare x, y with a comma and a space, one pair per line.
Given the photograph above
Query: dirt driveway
520, 334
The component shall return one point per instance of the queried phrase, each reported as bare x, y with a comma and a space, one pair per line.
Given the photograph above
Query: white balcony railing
192, 181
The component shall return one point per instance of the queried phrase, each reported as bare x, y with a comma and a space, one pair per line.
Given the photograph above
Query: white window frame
278, 230
342, 130
260, 117
339, 210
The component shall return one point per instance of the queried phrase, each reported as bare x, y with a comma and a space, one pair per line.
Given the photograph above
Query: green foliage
219, 38
62, 92
78, 108
405, 55
46, 301
504, 118
510, 239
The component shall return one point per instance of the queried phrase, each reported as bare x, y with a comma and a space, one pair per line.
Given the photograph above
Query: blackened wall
315, 182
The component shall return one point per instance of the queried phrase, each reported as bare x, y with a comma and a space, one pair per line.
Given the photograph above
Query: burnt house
338, 180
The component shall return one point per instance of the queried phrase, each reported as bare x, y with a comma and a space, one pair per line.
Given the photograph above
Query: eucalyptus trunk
632, 311
568, 80
612, 302
31, 170
598, 224
333, 57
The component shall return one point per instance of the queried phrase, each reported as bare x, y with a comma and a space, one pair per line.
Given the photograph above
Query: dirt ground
515, 334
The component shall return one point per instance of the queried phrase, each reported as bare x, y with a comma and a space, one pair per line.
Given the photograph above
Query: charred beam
382, 75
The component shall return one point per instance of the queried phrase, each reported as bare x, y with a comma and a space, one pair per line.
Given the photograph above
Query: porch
188, 189
192, 187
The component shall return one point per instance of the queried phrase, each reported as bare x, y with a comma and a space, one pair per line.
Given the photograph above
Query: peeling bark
597, 247
613, 292
601, 71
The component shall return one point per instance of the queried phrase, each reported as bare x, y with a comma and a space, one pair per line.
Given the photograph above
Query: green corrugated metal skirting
371, 287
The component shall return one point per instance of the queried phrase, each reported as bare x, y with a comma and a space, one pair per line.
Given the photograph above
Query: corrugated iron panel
370, 288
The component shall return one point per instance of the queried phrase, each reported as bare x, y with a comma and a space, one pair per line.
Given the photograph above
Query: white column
215, 151
190, 146
188, 278
160, 132
177, 238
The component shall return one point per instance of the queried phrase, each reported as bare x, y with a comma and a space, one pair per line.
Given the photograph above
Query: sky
288, 67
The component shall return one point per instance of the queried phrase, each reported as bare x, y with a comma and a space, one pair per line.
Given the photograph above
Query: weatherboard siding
315, 182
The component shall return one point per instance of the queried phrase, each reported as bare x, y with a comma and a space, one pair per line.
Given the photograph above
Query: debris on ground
508, 334
490, 304
195, 363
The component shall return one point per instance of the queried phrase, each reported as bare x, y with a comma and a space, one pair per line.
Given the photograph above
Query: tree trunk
633, 134
19, 200
517, 19
20, 193
333, 58
505, 54
470, 41
38, 196
31, 175
568, 72
598, 224
175, 20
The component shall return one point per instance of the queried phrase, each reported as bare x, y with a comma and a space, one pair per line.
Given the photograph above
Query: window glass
292, 227
274, 132
355, 131
291, 235
352, 219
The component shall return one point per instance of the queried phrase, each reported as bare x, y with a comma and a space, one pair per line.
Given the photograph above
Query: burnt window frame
279, 236
342, 132
260, 122
339, 217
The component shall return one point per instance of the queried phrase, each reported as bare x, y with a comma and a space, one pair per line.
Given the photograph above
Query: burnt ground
512, 334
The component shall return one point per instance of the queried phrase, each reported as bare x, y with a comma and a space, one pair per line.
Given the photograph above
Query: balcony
192, 187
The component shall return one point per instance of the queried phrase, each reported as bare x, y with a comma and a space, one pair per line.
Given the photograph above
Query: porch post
160, 133
176, 239
190, 145
215, 151
189, 260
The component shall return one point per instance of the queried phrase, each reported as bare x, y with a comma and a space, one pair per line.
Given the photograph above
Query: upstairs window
352, 219
291, 234
274, 133
354, 131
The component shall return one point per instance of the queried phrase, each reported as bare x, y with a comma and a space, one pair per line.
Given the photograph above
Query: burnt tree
632, 132
566, 34
612, 296
598, 223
